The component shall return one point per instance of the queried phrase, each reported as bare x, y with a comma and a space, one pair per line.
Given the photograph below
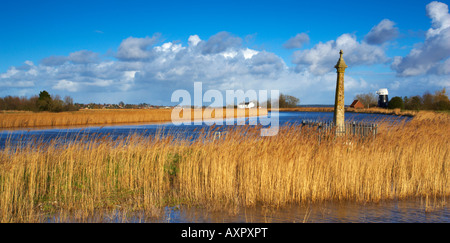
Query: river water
405, 211
30, 135
410, 211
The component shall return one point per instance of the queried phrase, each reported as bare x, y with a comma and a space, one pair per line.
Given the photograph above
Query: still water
24, 136
408, 211
386, 212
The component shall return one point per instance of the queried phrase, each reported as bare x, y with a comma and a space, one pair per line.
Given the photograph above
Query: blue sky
141, 51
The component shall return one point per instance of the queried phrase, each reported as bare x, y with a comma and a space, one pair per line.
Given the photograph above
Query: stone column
339, 109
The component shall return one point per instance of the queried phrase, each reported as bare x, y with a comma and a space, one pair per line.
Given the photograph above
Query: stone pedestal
339, 109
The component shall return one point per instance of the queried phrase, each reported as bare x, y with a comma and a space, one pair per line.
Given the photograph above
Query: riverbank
374, 110
27, 119
24, 119
241, 169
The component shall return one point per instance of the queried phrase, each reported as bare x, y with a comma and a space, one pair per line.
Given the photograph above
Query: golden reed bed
106, 116
78, 180
23, 119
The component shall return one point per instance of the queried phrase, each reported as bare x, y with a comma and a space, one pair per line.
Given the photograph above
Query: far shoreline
375, 110
26, 120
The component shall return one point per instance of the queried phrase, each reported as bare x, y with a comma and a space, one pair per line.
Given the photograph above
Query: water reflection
410, 211
387, 212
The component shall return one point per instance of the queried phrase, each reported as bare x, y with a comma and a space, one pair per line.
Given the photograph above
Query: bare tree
367, 99
288, 101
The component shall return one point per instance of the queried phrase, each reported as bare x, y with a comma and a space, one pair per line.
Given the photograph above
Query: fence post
354, 128
319, 128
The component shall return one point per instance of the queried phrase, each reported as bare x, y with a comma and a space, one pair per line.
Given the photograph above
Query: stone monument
339, 109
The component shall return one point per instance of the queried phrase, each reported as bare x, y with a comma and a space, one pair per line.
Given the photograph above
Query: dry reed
108, 116
78, 179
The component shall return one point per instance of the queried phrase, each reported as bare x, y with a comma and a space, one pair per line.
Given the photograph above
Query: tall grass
103, 117
78, 179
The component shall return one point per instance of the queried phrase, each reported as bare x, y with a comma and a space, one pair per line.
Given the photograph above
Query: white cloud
78, 57
219, 42
145, 71
444, 68
194, 40
296, 41
150, 72
18, 84
83, 57
384, 31
323, 56
438, 13
433, 54
143, 65
230, 54
169, 47
54, 60
132, 49
249, 53
66, 85
10, 73
19, 77
129, 75
29, 63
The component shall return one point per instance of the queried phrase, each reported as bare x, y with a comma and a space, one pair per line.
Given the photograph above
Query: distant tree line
284, 101
42, 102
121, 105
437, 101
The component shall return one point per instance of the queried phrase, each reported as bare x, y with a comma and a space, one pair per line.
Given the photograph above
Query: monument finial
341, 66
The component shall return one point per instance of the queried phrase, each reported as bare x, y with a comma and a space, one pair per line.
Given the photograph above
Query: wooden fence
326, 128
360, 129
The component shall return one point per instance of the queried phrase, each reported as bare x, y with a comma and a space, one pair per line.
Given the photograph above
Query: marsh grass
75, 180
111, 116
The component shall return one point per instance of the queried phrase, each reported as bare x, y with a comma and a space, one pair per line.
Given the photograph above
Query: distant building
247, 105
357, 104
383, 99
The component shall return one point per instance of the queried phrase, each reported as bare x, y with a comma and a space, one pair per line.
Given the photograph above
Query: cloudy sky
141, 51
